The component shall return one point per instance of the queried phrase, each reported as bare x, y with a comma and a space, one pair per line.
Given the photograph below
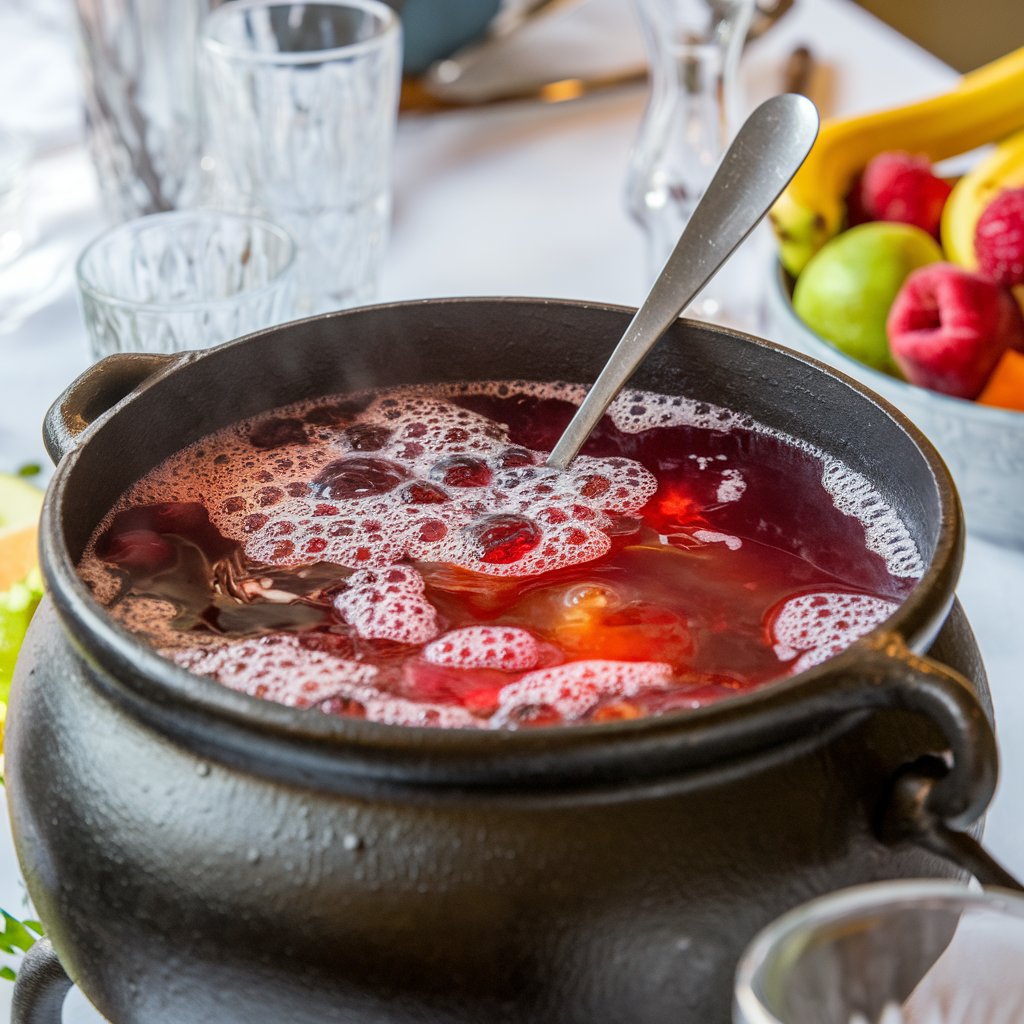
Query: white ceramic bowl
983, 446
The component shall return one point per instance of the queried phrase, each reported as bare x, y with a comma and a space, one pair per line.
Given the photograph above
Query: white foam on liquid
264, 500
388, 604
813, 627
503, 647
573, 689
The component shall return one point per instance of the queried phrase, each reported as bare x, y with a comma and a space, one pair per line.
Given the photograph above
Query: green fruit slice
20, 501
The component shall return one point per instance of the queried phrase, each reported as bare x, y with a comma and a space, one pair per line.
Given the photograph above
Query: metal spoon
767, 151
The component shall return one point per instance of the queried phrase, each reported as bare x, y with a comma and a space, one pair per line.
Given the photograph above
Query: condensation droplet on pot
352, 842
202, 769
253, 856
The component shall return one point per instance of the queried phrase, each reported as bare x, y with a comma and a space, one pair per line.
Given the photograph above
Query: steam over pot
200, 856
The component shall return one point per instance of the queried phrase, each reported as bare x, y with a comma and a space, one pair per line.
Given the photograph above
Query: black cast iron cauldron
201, 857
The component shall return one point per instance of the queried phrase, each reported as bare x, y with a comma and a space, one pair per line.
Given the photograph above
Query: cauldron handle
40, 987
931, 801
96, 391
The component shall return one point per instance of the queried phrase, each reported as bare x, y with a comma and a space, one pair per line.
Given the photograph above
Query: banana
1002, 168
984, 107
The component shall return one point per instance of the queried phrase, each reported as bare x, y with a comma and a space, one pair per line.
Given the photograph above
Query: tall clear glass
693, 48
139, 63
916, 952
300, 103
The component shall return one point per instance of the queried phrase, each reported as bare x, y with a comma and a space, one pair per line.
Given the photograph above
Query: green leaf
18, 935
30, 469
6, 973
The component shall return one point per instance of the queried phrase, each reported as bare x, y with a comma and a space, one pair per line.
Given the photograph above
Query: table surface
523, 199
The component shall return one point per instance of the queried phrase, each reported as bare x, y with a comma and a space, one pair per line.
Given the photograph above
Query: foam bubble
635, 411
280, 667
732, 486
814, 627
388, 604
414, 476
286, 669
712, 537
573, 689
504, 647
368, 481
886, 534
262, 496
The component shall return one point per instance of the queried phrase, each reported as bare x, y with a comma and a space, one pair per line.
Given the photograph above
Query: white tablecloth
520, 200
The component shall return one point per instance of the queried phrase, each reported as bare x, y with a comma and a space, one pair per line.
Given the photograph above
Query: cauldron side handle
40, 987
95, 392
932, 801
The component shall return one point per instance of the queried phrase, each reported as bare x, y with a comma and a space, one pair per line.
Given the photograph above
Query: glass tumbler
185, 279
916, 952
139, 63
300, 103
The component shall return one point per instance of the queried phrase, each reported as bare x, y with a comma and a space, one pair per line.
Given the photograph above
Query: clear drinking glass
919, 952
139, 63
182, 280
300, 103
693, 49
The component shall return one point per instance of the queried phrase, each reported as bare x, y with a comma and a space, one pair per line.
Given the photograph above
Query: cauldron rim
220, 723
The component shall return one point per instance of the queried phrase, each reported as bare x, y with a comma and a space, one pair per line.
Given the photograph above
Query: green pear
845, 291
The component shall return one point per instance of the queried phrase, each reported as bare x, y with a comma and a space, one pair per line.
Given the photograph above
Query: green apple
845, 292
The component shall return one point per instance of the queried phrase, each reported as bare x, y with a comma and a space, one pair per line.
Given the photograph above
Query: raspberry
899, 187
999, 238
948, 328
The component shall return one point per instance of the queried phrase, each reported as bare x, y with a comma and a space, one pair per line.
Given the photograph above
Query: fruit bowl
982, 445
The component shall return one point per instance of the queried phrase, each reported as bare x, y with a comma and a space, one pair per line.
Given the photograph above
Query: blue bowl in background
434, 29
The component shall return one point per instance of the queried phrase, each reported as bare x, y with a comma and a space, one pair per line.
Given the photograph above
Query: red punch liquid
406, 557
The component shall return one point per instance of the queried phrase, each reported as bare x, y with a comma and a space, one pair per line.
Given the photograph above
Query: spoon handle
767, 151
